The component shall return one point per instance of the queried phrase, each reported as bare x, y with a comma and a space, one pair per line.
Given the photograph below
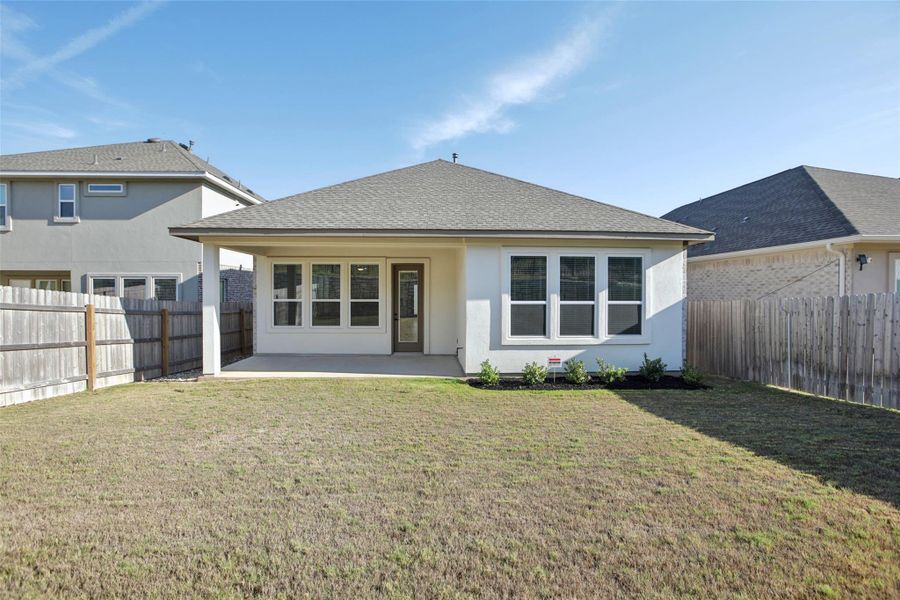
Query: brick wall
755, 276
239, 286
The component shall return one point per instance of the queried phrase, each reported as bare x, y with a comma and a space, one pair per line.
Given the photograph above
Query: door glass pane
408, 306
528, 278
104, 286
134, 287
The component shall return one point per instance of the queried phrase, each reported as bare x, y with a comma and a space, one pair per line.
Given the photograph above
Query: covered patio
342, 365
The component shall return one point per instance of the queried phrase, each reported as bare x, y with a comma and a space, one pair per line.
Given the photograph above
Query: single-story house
441, 258
806, 231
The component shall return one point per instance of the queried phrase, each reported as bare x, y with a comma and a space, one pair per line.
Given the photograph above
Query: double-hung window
577, 296
66, 193
625, 304
326, 295
528, 296
4, 207
287, 295
365, 306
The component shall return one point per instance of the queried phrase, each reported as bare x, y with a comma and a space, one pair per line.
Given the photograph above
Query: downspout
841, 266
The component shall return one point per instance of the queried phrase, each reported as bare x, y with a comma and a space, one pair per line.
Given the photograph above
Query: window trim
91, 192
6, 224
58, 218
301, 300
601, 283
350, 300
642, 302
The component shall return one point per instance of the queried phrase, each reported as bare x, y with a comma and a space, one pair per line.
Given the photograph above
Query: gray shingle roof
162, 156
802, 204
439, 197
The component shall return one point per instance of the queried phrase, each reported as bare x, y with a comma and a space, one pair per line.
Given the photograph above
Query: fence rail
845, 347
54, 343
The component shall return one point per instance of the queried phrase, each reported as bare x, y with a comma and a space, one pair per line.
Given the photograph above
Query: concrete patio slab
342, 365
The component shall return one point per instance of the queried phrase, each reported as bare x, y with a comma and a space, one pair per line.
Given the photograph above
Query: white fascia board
212, 179
779, 249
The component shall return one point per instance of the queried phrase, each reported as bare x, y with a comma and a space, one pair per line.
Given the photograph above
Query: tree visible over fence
845, 347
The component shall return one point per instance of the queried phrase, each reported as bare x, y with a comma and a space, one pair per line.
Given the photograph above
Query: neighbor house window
528, 296
65, 285
287, 295
67, 200
577, 296
626, 295
4, 207
134, 287
326, 295
46, 284
223, 289
106, 188
364, 295
103, 286
164, 288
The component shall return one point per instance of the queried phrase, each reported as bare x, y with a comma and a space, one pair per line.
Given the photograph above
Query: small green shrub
608, 373
576, 373
534, 374
489, 375
691, 375
652, 370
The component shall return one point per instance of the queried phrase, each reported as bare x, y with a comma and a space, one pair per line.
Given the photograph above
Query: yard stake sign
554, 363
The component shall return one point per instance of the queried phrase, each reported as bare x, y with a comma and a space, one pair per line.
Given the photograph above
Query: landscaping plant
576, 373
534, 374
691, 375
652, 370
490, 375
608, 373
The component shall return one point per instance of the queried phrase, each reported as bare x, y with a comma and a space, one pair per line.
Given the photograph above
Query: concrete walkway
338, 365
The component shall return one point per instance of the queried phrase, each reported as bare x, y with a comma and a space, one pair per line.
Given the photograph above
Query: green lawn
430, 488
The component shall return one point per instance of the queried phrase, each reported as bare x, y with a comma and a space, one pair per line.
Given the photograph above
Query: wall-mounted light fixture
863, 260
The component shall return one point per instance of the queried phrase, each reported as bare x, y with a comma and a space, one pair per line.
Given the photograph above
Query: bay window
625, 304
577, 296
528, 296
287, 295
326, 295
365, 305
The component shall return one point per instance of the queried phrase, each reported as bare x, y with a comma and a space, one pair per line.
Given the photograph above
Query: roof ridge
576, 196
826, 198
83, 148
888, 177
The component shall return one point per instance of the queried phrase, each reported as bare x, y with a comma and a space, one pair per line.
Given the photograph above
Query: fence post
164, 339
243, 325
90, 347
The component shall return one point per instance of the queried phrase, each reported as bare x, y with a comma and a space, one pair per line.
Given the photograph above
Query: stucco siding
214, 202
878, 275
812, 272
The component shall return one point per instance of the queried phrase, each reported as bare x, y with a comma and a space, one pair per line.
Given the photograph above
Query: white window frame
641, 302
601, 283
561, 302
6, 224
55, 282
340, 301
894, 259
149, 278
90, 191
59, 202
509, 302
304, 275
379, 300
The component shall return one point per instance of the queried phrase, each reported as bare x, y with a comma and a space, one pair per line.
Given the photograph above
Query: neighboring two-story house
804, 232
96, 219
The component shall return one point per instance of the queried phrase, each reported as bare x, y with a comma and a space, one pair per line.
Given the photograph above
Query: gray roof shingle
158, 156
440, 197
802, 204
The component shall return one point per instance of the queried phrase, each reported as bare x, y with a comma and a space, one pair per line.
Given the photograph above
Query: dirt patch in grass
631, 382
432, 488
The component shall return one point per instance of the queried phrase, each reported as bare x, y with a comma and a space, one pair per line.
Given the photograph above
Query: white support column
212, 356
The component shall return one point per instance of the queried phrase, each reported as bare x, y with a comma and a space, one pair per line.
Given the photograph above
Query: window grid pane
576, 320
67, 193
326, 314
364, 314
528, 320
287, 282
576, 278
528, 278
164, 288
103, 286
624, 319
288, 313
66, 209
625, 278
326, 282
134, 287
364, 282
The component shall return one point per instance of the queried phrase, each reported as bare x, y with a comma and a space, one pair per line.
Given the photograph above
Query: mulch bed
632, 382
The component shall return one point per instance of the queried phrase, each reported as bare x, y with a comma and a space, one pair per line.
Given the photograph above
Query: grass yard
431, 488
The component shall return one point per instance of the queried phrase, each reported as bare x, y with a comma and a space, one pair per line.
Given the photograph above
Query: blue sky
644, 105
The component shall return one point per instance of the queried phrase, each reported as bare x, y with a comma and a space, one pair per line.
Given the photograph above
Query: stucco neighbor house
804, 232
445, 259
95, 220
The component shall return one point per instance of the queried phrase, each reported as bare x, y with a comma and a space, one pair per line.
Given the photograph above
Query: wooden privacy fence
845, 347
54, 343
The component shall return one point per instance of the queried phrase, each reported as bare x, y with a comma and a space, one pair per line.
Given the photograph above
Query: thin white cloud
44, 129
529, 81
84, 42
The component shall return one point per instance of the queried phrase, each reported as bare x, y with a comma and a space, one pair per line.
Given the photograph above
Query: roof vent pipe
842, 265
153, 140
